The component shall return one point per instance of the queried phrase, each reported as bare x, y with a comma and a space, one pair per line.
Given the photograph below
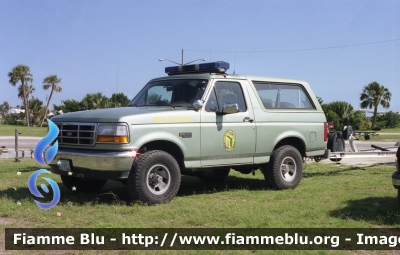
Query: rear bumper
320, 153
95, 165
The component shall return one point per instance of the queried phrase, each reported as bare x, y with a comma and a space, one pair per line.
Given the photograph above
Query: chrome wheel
158, 179
285, 169
288, 169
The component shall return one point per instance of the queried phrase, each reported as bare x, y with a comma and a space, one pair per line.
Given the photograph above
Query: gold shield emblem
229, 140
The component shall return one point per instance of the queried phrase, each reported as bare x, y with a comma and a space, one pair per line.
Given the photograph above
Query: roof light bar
212, 67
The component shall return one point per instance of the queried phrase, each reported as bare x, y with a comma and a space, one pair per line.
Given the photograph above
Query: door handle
247, 119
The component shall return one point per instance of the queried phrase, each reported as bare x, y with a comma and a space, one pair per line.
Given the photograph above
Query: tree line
93, 101
341, 113
36, 113
372, 95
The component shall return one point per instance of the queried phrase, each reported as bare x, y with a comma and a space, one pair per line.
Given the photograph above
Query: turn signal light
112, 139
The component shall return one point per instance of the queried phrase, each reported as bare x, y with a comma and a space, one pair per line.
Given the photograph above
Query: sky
338, 47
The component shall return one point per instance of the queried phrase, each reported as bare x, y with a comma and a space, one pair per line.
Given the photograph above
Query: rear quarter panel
274, 125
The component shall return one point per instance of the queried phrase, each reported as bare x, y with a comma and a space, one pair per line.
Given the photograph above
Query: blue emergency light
212, 67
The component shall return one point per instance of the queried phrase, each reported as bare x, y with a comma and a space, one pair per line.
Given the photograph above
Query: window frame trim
255, 82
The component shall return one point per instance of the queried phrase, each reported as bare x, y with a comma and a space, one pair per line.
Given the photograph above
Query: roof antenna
234, 65
182, 63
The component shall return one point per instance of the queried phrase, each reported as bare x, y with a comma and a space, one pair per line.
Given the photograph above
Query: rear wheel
82, 185
217, 175
155, 178
285, 169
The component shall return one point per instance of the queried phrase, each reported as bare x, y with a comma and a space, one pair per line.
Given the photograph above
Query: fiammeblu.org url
232, 239
286, 239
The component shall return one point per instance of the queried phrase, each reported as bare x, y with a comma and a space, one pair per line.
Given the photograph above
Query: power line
305, 49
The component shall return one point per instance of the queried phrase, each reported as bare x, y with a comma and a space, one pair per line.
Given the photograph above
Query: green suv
198, 121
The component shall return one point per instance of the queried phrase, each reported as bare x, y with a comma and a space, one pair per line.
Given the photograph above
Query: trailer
367, 135
337, 149
376, 151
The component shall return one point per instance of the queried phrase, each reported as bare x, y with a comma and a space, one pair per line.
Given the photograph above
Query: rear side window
283, 96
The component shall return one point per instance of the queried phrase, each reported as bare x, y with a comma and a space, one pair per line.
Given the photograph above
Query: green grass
383, 130
389, 130
329, 196
381, 138
9, 130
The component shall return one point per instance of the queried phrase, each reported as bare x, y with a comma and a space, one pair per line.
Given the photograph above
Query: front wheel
285, 168
82, 185
155, 178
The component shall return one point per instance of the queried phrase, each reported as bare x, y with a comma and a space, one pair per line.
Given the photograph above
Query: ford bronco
199, 121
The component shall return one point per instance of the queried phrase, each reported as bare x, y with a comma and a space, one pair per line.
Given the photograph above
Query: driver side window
211, 105
226, 92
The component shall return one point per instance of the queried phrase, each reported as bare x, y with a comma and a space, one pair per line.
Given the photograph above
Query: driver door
227, 139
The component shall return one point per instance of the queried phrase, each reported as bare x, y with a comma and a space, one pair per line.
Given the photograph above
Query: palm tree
119, 100
50, 82
4, 108
320, 101
339, 112
21, 73
29, 93
95, 101
37, 109
374, 95
28, 90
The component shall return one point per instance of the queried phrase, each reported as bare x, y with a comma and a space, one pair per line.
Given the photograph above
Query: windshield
172, 93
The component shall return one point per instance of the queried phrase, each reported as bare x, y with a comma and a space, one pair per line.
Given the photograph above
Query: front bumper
95, 164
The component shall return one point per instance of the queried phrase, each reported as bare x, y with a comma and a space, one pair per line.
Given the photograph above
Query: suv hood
134, 115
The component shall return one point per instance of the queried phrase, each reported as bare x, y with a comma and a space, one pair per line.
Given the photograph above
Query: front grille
76, 133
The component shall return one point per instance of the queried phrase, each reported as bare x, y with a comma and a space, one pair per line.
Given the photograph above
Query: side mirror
198, 104
229, 108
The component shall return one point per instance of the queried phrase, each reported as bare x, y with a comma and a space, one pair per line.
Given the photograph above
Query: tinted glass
226, 92
283, 96
170, 92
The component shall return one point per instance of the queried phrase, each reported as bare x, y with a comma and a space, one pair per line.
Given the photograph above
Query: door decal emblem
229, 140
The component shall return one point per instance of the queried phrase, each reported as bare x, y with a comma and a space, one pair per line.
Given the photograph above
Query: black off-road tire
81, 184
336, 142
285, 168
217, 175
155, 178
